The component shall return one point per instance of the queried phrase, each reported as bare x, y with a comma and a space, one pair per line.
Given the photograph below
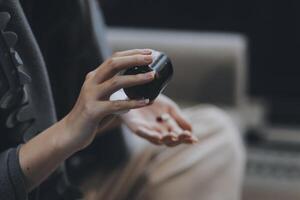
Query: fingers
150, 135
161, 135
182, 122
182, 138
174, 135
117, 82
166, 132
133, 52
116, 64
174, 138
187, 137
170, 135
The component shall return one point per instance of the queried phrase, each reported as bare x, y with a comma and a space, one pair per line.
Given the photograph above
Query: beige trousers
209, 170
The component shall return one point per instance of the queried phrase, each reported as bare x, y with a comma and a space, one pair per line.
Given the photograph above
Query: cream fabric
209, 170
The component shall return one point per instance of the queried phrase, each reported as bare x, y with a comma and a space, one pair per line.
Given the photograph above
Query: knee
217, 119
230, 131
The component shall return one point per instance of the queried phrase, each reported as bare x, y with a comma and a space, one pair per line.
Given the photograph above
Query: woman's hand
160, 123
41, 155
93, 104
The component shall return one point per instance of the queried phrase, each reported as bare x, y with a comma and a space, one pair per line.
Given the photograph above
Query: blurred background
241, 55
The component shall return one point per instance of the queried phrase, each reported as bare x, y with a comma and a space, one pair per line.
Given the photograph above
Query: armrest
209, 67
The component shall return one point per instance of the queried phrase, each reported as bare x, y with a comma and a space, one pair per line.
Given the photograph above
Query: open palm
160, 123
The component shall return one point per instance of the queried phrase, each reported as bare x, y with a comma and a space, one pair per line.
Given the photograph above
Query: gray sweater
36, 110
12, 185
23, 109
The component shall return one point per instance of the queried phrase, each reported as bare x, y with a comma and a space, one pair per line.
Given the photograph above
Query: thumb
180, 119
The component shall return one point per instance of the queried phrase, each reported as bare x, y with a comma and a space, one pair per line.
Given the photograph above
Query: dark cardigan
70, 36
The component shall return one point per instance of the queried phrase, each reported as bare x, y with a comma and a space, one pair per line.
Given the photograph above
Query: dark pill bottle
163, 69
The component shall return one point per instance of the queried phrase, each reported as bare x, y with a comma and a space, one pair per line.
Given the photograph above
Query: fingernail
148, 58
187, 134
174, 138
195, 140
144, 102
149, 75
146, 51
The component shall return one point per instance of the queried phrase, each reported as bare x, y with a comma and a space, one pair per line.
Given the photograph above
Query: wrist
79, 132
63, 141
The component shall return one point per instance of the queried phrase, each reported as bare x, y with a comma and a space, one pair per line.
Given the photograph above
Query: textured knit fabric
36, 98
68, 36
12, 185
